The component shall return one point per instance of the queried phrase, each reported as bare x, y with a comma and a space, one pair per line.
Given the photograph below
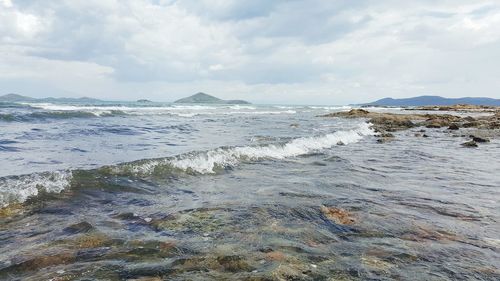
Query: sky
263, 51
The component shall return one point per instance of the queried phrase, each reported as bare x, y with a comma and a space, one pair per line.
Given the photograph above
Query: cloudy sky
293, 51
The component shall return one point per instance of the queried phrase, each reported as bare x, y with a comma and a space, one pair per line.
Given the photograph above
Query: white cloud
268, 51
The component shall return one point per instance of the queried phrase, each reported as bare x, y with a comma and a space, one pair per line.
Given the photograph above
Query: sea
131, 190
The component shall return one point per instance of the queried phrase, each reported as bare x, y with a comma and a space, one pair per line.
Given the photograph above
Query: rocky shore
485, 124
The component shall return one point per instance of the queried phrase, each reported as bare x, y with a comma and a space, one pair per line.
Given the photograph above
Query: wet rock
92, 254
434, 125
340, 143
353, 113
470, 124
392, 123
422, 232
234, 263
266, 250
82, 227
147, 278
11, 210
384, 140
38, 262
385, 137
200, 221
377, 264
418, 135
127, 216
143, 271
294, 125
469, 144
95, 240
275, 256
479, 139
425, 136
337, 215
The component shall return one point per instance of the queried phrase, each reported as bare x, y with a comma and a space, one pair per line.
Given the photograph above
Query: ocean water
118, 191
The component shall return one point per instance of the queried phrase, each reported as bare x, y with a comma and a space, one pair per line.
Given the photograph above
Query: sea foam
208, 162
20, 188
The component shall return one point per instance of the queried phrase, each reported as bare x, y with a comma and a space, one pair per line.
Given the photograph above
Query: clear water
236, 192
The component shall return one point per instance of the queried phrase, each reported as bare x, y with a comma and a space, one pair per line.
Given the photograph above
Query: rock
425, 136
82, 227
11, 210
234, 263
469, 144
294, 125
391, 122
384, 140
93, 240
127, 216
386, 135
340, 143
418, 135
434, 125
275, 256
38, 262
479, 139
470, 124
337, 215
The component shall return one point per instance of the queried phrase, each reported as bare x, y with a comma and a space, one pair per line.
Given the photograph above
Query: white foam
208, 162
20, 188
178, 110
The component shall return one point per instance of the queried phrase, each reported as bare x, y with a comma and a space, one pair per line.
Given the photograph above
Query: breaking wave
43, 115
20, 188
209, 162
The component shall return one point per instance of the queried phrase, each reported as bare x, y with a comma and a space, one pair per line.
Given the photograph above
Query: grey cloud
355, 47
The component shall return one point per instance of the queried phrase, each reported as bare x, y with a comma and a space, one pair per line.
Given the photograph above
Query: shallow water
127, 191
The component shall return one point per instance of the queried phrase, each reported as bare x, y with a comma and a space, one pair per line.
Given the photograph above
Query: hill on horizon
434, 100
205, 98
21, 98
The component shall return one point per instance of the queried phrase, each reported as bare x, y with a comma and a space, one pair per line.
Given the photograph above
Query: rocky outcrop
384, 123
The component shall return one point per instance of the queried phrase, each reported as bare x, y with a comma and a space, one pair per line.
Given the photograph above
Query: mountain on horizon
434, 100
20, 98
205, 98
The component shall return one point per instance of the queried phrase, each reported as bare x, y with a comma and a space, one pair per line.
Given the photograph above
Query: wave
42, 115
211, 161
20, 188
12, 105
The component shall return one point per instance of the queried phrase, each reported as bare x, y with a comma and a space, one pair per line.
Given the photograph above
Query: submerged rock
469, 144
81, 227
479, 139
275, 256
453, 127
11, 210
339, 216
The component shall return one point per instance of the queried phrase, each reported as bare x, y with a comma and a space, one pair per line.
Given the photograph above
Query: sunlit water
124, 191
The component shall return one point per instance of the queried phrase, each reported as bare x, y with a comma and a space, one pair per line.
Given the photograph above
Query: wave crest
209, 162
20, 188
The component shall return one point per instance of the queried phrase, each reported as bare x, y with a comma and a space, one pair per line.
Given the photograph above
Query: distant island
205, 98
196, 98
433, 100
19, 98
